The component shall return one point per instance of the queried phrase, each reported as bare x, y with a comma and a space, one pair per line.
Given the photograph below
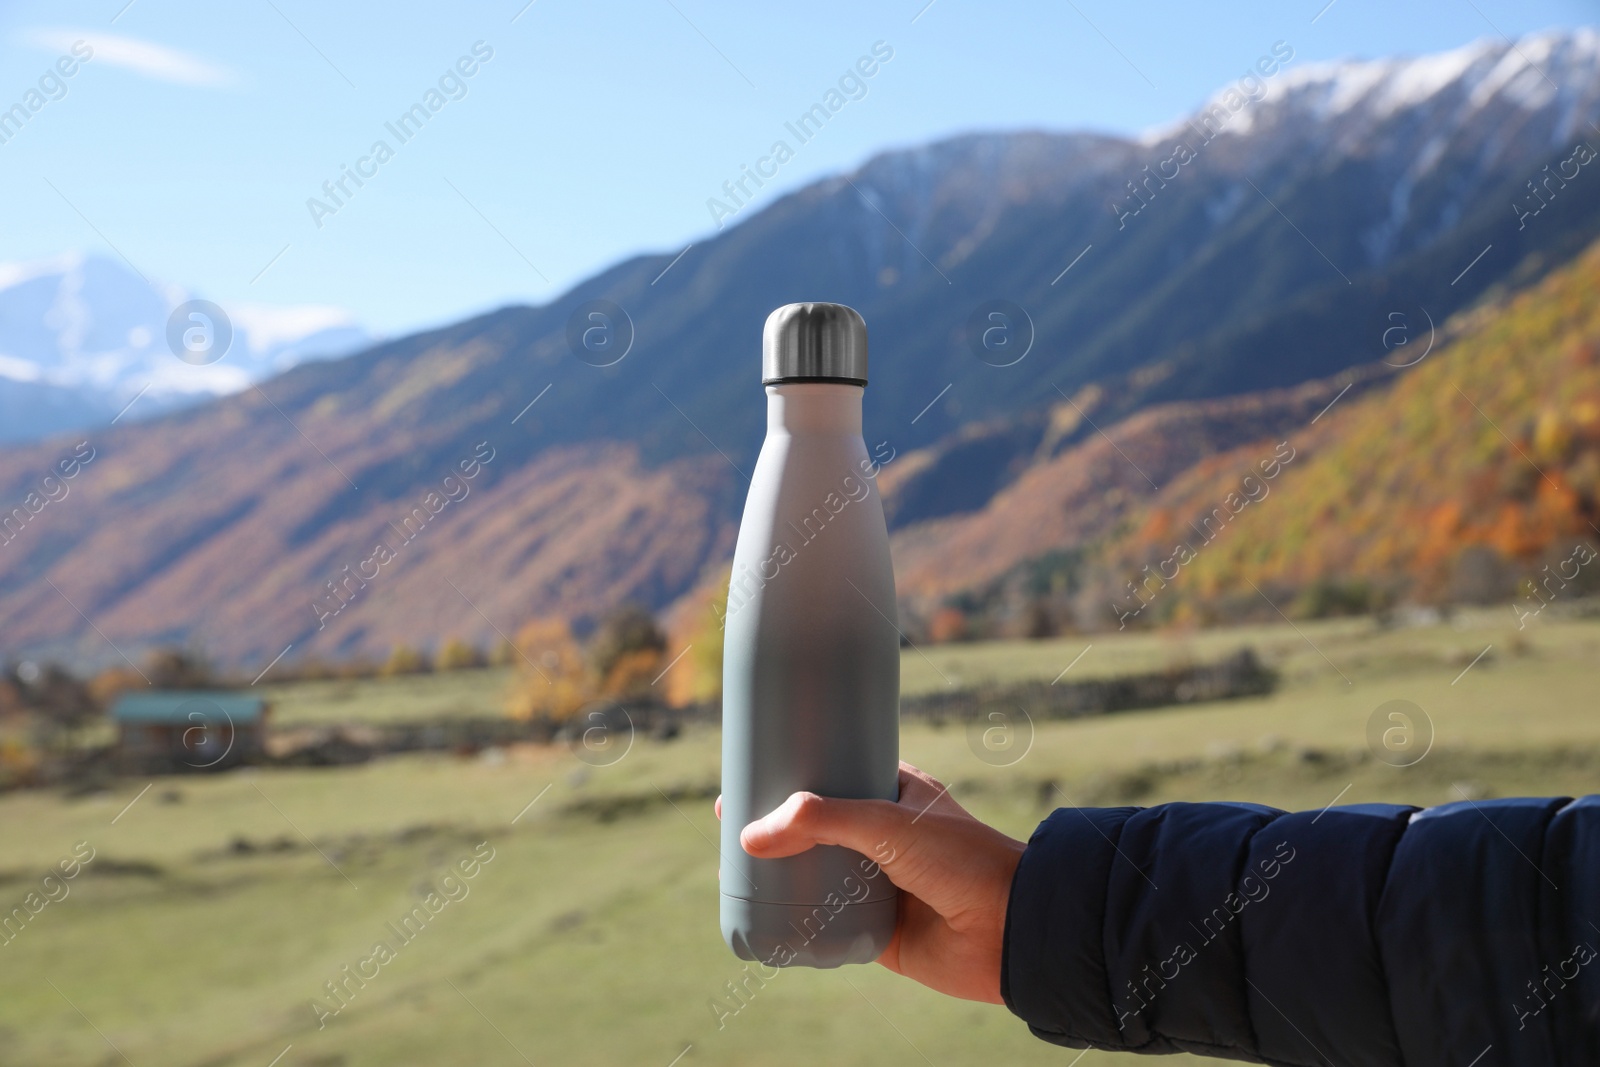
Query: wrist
995, 911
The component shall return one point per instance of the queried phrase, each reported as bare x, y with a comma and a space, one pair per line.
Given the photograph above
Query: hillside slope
1079, 494
1473, 478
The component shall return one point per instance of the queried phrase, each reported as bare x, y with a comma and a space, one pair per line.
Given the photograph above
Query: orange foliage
553, 679
947, 624
1157, 526
633, 674
1393, 485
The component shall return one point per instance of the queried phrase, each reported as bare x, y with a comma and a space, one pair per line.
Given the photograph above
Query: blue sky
193, 139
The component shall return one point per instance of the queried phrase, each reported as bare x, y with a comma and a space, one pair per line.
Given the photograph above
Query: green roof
186, 707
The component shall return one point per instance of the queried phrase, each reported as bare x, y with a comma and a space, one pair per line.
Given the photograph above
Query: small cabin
198, 730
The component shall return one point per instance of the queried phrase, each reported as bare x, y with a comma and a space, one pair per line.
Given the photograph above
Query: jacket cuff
1052, 967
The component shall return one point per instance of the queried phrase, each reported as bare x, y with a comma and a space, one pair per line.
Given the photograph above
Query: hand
954, 875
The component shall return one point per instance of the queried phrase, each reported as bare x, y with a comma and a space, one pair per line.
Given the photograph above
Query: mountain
82, 336
1273, 256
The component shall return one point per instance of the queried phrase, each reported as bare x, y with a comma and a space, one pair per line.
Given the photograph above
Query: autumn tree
553, 678
627, 653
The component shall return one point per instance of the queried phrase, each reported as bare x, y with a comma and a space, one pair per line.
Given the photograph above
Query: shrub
457, 655
1330, 596
404, 660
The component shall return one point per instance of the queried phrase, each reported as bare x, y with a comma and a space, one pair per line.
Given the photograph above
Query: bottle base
808, 935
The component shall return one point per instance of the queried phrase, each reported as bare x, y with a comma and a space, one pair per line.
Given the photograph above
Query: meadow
216, 908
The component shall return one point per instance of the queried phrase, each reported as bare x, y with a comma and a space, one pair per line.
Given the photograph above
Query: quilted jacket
1373, 935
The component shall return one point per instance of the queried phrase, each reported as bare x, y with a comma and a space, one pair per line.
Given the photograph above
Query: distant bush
457, 655
404, 660
1328, 597
19, 764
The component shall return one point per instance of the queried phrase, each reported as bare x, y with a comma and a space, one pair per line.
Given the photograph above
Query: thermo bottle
811, 652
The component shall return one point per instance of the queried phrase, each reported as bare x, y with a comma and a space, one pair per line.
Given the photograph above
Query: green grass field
217, 907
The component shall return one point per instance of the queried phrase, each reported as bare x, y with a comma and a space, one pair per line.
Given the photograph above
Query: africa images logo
209, 737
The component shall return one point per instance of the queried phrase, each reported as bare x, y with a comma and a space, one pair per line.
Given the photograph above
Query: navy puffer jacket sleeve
1372, 935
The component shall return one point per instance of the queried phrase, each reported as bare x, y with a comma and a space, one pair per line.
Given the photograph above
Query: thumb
867, 826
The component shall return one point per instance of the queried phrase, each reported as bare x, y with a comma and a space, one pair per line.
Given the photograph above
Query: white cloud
270, 326
141, 57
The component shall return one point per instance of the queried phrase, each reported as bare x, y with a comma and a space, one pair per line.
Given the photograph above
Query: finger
718, 806
911, 772
924, 794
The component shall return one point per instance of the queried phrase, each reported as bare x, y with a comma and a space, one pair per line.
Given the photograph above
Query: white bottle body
811, 681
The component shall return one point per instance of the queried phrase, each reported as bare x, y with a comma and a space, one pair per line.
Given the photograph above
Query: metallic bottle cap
814, 343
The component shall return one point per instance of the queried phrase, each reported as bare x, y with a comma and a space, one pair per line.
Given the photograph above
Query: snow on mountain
83, 335
1380, 87
1527, 74
1437, 132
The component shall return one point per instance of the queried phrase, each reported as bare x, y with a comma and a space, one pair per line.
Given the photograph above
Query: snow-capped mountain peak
1382, 87
82, 335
